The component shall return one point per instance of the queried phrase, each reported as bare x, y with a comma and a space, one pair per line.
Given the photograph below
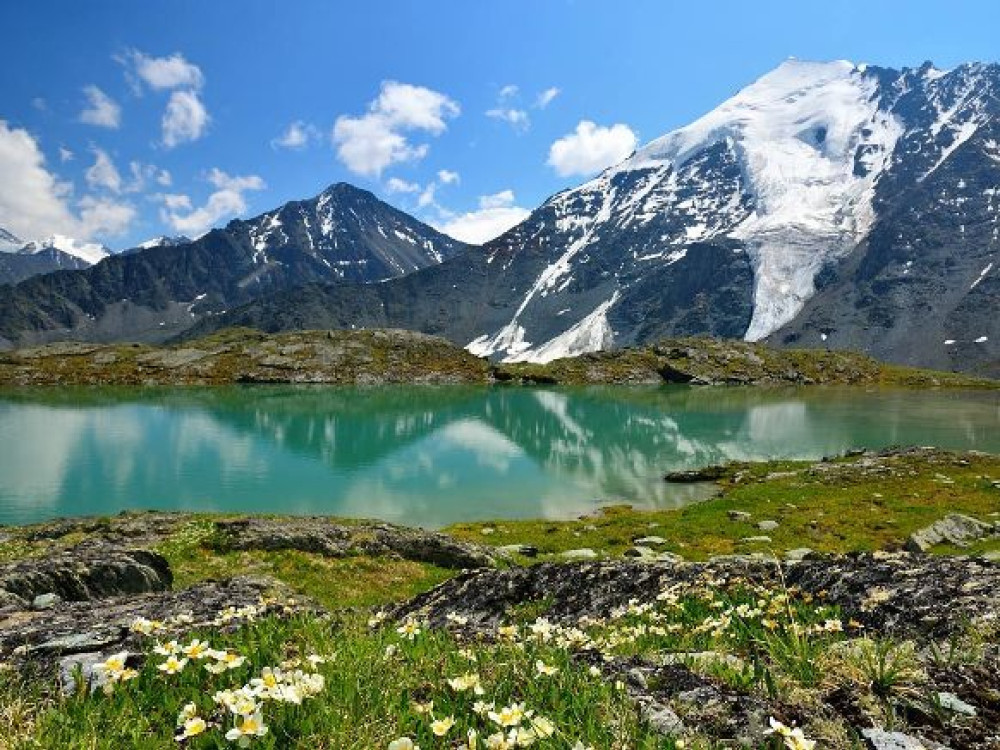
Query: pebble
755, 540
45, 601
738, 515
797, 554
767, 525
952, 702
647, 540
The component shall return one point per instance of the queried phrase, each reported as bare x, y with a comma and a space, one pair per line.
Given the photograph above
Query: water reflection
433, 456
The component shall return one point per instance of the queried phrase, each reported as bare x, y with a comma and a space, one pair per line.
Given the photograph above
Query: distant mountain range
827, 204
344, 234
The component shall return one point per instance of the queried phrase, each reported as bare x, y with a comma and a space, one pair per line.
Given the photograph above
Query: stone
767, 525
320, 536
584, 553
739, 515
80, 665
799, 553
519, 549
648, 540
755, 540
45, 601
880, 739
704, 474
640, 553
92, 570
952, 702
955, 528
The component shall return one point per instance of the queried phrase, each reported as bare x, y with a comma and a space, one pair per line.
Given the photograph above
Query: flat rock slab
320, 536
899, 594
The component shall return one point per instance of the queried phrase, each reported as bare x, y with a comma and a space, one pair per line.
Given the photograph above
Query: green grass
840, 510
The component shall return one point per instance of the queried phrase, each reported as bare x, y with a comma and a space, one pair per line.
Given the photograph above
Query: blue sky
438, 107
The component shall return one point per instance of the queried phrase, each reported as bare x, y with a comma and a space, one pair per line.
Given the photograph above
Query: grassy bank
377, 682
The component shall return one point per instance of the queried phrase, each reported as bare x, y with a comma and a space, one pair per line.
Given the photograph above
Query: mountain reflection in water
432, 456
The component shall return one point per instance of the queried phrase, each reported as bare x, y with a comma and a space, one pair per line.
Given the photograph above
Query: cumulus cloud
426, 197
142, 174
34, 203
379, 138
225, 202
545, 98
161, 73
185, 118
591, 148
448, 177
496, 214
296, 136
65, 154
509, 91
101, 109
397, 185
103, 174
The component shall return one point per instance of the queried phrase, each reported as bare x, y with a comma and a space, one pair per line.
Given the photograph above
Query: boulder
955, 528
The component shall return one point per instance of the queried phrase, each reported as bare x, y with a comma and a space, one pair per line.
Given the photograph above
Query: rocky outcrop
85, 573
892, 593
320, 536
369, 357
955, 528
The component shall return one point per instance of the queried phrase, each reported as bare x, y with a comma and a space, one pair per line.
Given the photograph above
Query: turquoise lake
432, 456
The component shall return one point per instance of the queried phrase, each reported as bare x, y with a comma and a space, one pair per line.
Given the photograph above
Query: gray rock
739, 515
755, 540
799, 553
45, 601
955, 528
93, 570
767, 525
879, 739
662, 719
640, 553
320, 536
579, 554
80, 665
648, 540
952, 702
519, 549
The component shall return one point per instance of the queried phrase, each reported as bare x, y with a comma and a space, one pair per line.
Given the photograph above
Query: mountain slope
812, 179
342, 234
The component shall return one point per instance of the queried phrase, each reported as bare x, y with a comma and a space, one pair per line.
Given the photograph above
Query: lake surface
431, 456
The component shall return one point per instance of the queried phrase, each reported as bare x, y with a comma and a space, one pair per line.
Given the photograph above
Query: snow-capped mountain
21, 260
343, 234
89, 252
826, 204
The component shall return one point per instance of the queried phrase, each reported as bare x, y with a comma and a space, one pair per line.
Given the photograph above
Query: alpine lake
431, 456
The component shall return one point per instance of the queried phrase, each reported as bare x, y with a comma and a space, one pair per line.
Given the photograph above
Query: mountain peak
89, 252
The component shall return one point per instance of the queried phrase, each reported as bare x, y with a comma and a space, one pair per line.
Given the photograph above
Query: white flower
441, 727
544, 669
192, 728
247, 727
403, 743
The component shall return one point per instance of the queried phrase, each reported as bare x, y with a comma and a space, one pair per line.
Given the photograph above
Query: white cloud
226, 202
170, 72
143, 174
103, 174
34, 203
497, 213
448, 177
545, 98
185, 118
509, 91
591, 148
65, 154
516, 118
296, 136
427, 196
370, 143
104, 217
101, 109
397, 185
